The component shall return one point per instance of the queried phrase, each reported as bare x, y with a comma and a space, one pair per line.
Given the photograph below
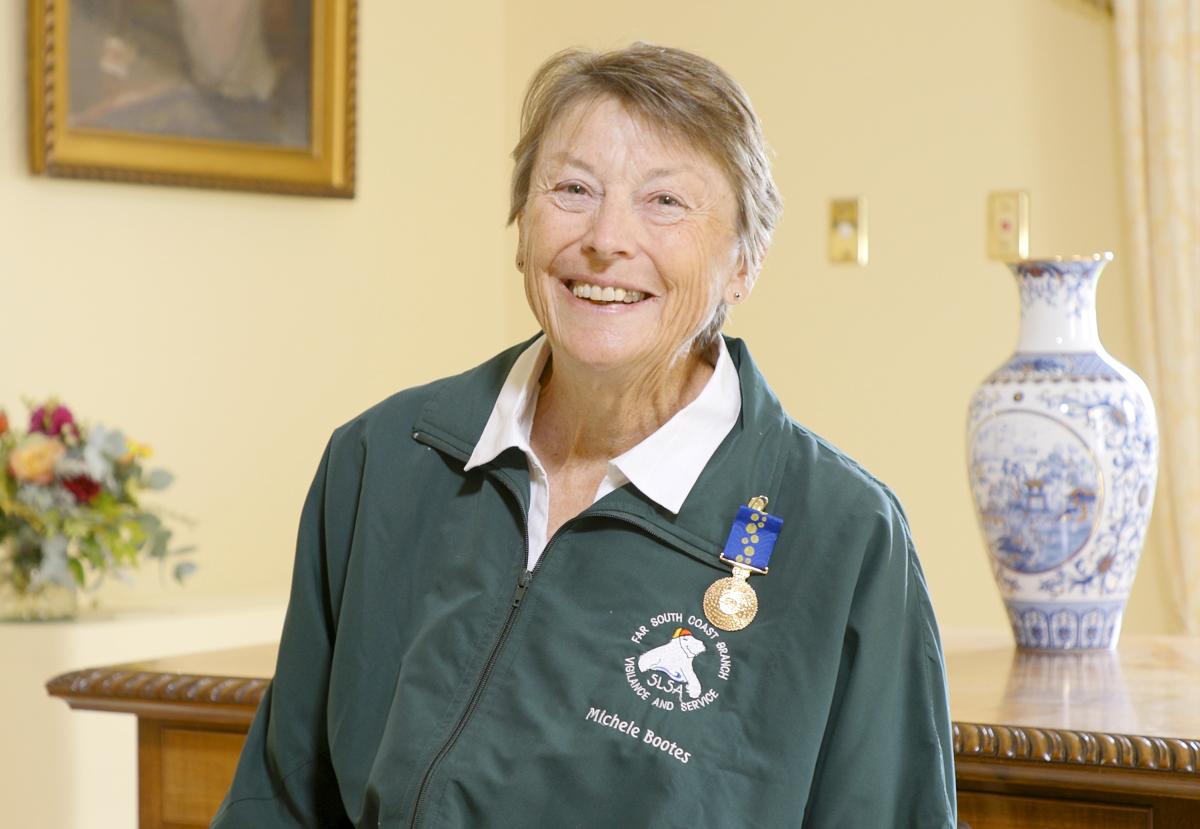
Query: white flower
54, 563
43, 498
104, 446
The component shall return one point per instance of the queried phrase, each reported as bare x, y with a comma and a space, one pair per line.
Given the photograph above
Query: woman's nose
613, 231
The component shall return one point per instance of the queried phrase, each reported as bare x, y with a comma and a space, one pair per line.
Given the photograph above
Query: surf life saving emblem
679, 664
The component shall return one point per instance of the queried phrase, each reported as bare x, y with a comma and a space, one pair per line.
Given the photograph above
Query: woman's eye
572, 195
668, 201
667, 207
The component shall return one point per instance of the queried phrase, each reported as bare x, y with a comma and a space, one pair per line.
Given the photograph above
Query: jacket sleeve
284, 777
887, 755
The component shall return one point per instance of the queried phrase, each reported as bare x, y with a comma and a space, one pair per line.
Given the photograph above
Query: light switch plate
848, 230
1008, 225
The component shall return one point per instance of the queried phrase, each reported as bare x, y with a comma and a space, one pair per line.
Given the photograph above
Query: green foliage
70, 509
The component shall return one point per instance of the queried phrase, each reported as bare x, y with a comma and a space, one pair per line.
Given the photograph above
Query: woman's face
616, 208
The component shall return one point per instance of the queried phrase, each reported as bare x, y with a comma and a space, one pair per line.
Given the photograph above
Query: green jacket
425, 678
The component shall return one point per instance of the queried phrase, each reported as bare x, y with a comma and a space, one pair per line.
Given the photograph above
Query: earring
737, 294
520, 263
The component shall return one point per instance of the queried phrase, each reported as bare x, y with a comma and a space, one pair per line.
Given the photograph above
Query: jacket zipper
493, 656
509, 620
518, 595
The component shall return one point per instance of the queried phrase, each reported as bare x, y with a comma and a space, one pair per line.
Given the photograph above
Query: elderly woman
537, 594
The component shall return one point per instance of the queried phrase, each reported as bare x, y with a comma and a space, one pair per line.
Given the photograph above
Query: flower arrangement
69, 511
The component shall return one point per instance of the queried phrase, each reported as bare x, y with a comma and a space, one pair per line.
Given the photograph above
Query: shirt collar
664, 466
511, 421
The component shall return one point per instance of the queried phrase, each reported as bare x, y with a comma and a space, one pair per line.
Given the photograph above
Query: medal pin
731, 603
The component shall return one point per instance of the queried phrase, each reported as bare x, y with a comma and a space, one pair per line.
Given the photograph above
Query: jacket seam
273, 796
343, 563
930, 653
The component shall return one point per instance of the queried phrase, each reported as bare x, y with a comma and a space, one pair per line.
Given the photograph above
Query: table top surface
1149, 686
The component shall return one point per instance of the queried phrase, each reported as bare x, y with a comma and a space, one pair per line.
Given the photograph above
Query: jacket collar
749, 462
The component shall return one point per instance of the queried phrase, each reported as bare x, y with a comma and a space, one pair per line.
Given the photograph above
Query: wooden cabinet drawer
980, 810
184, 772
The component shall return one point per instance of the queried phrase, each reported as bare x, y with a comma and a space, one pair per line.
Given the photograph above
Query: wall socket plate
848, 231
1008, 225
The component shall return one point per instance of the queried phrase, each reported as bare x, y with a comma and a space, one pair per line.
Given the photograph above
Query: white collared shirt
664, 466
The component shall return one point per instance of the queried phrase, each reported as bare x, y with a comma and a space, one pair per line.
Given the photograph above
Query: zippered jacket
426, 679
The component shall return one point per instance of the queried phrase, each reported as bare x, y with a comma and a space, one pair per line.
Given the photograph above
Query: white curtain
1158, 43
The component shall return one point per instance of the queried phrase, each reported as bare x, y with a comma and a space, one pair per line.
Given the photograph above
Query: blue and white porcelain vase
1062, 453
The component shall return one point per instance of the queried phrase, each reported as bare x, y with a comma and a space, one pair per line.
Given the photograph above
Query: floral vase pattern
1062, 453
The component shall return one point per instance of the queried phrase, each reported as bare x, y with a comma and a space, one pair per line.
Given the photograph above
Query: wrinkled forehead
635, 127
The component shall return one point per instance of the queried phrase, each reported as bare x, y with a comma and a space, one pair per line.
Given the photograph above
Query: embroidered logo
675, 660
665, 674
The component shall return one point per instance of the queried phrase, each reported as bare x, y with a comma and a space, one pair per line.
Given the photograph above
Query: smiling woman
615, 205
491, 566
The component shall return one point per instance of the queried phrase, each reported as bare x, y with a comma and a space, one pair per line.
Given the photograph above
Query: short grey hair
680, 93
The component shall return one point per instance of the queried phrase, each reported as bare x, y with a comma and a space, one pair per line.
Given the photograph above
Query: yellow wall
923, 107
234, 331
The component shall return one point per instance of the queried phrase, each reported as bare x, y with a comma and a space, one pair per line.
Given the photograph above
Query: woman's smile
604, 294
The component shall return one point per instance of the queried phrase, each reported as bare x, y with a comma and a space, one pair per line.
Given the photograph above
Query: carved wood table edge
1067, 747
148, 690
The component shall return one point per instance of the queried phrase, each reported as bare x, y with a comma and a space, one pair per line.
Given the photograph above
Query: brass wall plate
1008, 225
848, 231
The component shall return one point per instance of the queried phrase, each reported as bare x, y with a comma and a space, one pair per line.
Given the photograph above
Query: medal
731, 603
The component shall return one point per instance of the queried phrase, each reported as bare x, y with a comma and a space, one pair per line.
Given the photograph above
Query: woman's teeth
610, 294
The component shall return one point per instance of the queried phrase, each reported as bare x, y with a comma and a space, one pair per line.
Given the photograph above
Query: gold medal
731, 603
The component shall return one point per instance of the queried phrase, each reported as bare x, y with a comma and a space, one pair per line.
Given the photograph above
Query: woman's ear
740, 283
520, 257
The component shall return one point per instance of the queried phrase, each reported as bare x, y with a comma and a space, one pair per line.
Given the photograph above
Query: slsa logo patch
679, 663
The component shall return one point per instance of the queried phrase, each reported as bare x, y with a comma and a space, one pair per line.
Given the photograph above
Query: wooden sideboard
1052, 741
1106, 740
192, 714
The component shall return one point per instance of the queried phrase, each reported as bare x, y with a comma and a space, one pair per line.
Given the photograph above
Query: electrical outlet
1008, 225
848, 230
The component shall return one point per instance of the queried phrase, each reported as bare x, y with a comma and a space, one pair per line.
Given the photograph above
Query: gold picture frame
260, 98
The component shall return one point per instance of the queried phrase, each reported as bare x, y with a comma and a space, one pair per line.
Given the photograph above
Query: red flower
3, 422
83, 488
53, 419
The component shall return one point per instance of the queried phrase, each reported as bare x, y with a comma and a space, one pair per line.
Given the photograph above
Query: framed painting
243, 94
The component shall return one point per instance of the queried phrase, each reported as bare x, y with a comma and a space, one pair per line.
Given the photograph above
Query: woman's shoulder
807, 455
837, 485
